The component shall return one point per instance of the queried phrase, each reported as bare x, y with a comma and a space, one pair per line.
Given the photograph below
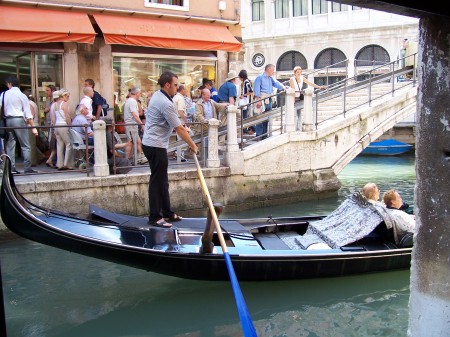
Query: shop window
319, 6
300, 7
168, 4
144, 72
35, 71
281, 9
257, 10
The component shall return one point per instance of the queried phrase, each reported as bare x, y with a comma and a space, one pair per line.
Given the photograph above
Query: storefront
64, 47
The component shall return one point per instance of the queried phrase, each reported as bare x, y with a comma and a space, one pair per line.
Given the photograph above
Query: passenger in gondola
403, 223
372, 193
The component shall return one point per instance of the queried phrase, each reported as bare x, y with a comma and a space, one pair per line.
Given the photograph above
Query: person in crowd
18, 115
81, 125
64, 156
296, 82
118, 153
208, 84
35, 154
161, 119
180, 103
205, 109
97, 101
263, 89
404, 223
51, 161
49, 90
133, 122
246, 98
228, 91
372, 193
86, 103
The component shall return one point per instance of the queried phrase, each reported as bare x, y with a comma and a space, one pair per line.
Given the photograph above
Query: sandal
161, 223
174, 218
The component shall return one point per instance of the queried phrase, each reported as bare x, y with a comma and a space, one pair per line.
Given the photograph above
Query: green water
54, 293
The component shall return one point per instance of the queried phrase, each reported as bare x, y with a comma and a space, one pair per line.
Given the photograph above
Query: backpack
105, 106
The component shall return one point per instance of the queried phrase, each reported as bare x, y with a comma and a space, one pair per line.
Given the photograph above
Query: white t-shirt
87, 102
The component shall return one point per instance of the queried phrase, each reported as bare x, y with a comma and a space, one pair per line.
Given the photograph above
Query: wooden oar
244, 315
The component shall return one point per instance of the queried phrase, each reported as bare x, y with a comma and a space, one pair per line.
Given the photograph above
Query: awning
42, 25
166, 34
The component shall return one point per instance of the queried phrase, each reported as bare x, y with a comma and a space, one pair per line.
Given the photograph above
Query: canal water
53, 293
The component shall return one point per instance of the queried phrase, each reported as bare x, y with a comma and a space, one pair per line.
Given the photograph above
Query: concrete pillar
105, 87
101, 167
213, 143
233, 156
429, 303
71, 75
290, 110
308, 120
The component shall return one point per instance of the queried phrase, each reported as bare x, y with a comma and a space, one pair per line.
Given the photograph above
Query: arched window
330, 57
371, 55
290, 59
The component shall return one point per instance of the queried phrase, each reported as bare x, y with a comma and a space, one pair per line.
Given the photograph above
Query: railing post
101, 167
232, 156
308, 110
290, 110
213, 143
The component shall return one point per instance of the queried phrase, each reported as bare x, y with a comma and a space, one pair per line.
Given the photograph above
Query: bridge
306, 155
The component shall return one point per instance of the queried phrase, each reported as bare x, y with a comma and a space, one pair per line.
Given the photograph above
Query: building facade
117, 44
316, 34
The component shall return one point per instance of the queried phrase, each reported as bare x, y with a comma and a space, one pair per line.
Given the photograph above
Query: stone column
213, 143
101, 167
290, 110
429, 303
233, 156
308, 120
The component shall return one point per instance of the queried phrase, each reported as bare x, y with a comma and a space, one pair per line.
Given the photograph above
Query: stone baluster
308, 121
233, 156
101, 167
213, 143
290, 110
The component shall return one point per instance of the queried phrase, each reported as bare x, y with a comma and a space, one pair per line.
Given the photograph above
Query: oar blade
244, 315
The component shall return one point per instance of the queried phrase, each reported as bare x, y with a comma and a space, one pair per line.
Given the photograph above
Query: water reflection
52, 293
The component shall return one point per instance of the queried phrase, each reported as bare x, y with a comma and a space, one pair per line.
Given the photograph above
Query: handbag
2, 118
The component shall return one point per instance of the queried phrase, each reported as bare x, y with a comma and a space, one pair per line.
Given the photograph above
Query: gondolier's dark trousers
158, 189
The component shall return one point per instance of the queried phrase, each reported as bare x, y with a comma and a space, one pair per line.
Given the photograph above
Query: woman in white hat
228, 91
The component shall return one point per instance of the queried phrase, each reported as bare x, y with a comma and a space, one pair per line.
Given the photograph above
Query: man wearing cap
228, 91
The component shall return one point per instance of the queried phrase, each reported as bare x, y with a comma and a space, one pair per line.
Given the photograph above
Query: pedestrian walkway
46, 173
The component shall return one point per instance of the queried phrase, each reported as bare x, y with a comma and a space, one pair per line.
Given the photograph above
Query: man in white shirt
86, 102
180, 103
17, 115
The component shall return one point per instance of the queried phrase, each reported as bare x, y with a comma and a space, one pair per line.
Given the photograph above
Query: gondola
261, 249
